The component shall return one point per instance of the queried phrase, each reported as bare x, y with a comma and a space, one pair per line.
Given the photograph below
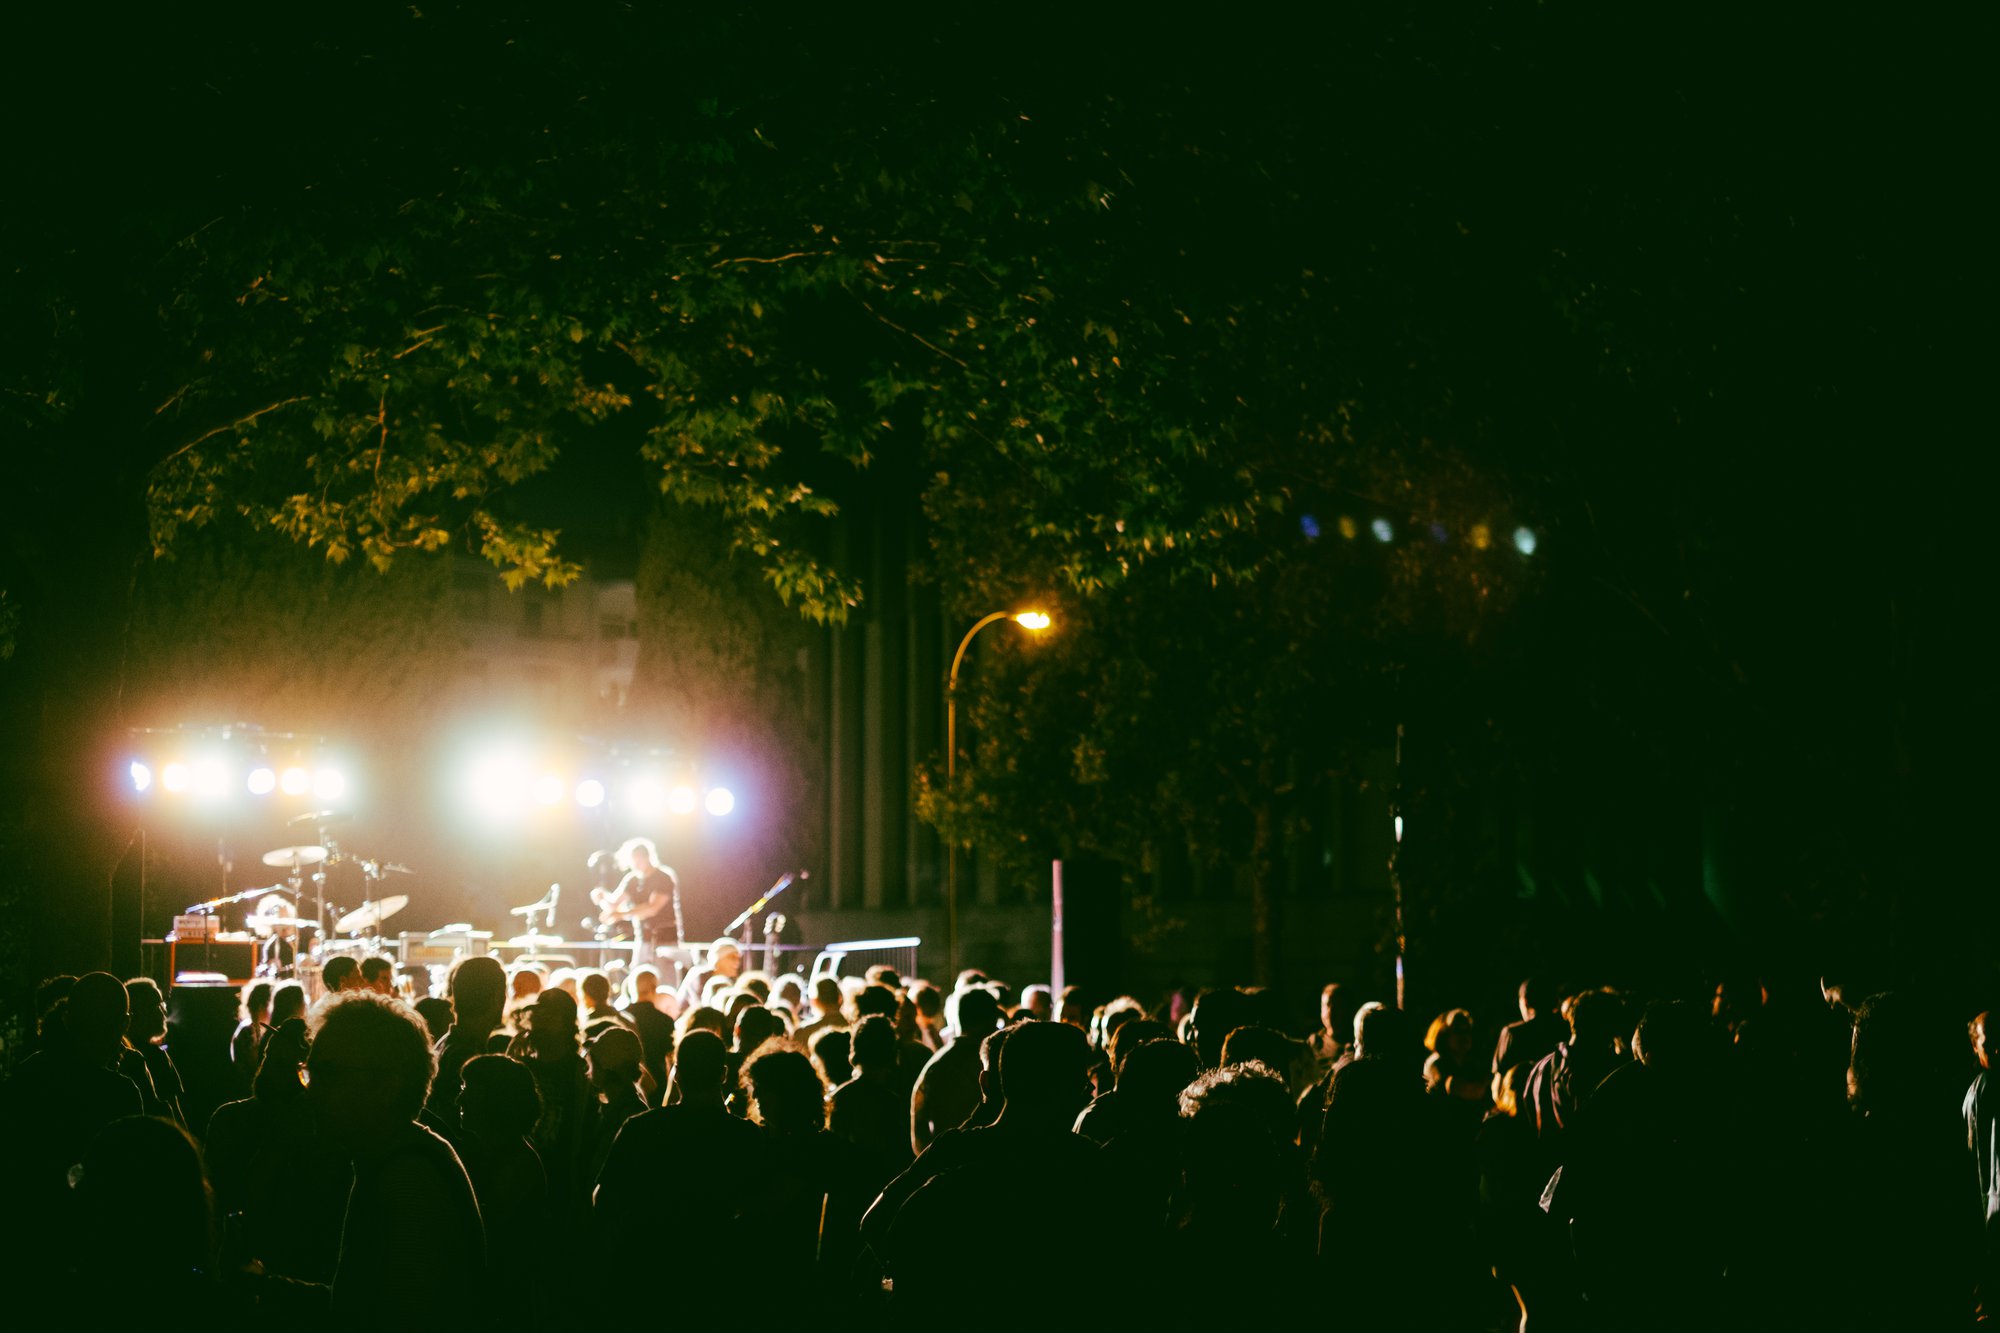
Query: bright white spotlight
210, 778
294, 782
175, 777
646, 797
590, 793
262, 782
681, 800
721, 801
328, 785
1524, 540
142, 777
1382, 530
500, 784
548, 789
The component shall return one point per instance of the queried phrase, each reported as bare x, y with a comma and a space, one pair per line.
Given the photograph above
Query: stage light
262, 782
590, 793
142, 777
210, 778
721, 800
1348, 528
646, 797
1399, 828
175, 777
1482, 536
548, 789
1309, 526
1524, 540
294, 782
328, 785
681, 800
1034, 620
1383, 532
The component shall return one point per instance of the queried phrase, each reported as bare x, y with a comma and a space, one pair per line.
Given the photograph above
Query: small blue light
1383, 532
1524, 540
1309, 526
1438, 533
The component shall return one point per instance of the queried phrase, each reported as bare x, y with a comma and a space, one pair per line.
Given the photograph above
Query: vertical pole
951, 842
1056, 938
1395, 854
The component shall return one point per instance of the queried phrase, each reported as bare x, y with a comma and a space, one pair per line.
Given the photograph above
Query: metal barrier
860, 955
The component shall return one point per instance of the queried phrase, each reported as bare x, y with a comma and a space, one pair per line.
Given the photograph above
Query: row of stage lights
211, 778
500, 788
1479, 537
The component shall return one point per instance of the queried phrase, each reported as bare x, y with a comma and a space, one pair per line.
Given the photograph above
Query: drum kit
280, 916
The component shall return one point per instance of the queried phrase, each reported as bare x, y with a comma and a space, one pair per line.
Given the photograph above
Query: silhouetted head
1904, 1057
148, 1010
341, 973
1240, 1122
436, 1014
786, 1096
877, 999
929, 1001
1154, 1072
596, 990
1451, 1035
95, 1016
379, 975
1036, 1000
1045, 1074
287, 1003
497, 1098
1217, 1013
755, 984
142, 1179
832, 1051
700, 1065
826, 995
284, 1055
1673, 1036
881, 974
257, 1000
973, 1013
725, 956
645, 983
478, 990
756, 1025
1261, 1045
705, 1018
1599, 1023
1380, 1032
1131, 1035
1333, 1015
1536, 997
370, 1068
1985, 1033
873, 1046
527, 981
614, 1056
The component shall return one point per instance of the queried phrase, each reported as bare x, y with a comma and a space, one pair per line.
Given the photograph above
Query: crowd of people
840, 1148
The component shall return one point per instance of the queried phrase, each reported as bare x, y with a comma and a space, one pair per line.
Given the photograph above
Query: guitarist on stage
649, 896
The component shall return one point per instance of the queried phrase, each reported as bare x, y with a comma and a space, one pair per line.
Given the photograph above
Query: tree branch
908, 334
243, 420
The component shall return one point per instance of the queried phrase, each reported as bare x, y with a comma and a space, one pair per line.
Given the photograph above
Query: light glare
142, 777
328, 785
175, 777
1382, 530
1034, 620
590, 793
210, 778
294, 782
1524, 540
721, 800
681, 800
262, 782
647, 798
548, 789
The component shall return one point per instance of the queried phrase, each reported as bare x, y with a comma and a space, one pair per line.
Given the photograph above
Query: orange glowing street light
1035, 622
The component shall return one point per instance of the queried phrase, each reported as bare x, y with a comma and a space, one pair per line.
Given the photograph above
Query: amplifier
442, 946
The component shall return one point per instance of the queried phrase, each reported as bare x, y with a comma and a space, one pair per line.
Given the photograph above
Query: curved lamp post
1036, 622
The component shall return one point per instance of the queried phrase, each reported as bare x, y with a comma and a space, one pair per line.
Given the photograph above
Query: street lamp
1035, 622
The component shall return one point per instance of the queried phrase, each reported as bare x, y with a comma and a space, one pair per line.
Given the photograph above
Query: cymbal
295, 856
263, 924
369, 915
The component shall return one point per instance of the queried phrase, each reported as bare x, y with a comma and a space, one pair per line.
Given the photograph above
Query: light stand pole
1036, 621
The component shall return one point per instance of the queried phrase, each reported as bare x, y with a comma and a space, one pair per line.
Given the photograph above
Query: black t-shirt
656, 886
